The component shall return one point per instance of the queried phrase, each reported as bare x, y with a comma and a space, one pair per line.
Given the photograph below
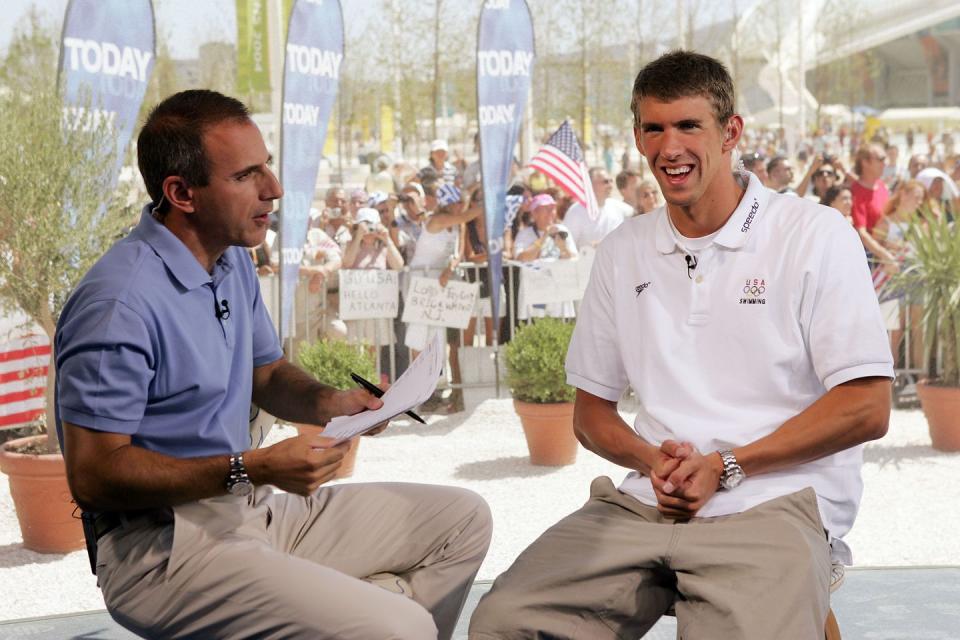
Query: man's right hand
298, 465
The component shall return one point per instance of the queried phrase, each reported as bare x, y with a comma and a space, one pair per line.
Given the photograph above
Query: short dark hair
171, 141
750, 160
681, 74
774, 162
430, 186
624, 177
832, 193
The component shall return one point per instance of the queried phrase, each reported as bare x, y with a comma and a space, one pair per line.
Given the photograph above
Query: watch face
733, 479
241, 489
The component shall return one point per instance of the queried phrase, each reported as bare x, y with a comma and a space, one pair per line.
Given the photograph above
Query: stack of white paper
412, 388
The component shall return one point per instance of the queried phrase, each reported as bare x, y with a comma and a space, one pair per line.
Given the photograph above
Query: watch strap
238, 471
731, 468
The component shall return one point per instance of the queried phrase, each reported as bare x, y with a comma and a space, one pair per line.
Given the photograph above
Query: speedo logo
750, 216
640, 288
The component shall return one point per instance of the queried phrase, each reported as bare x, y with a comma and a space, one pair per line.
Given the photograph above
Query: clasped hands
684, 479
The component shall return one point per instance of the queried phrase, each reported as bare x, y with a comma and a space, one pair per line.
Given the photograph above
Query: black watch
238, 482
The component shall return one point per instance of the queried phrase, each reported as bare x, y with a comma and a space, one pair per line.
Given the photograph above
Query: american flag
561, 159
24, 359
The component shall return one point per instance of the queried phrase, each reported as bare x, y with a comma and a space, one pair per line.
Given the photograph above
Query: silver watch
732, 474
238, 482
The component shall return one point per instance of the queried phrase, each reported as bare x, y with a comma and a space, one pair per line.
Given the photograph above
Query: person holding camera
544, 239
371, 247
335, 218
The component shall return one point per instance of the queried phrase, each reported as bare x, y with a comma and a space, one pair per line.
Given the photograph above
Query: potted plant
58, 214
931, 277
331, 362
541, 396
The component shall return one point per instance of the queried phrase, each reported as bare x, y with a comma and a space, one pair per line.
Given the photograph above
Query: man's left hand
354, 401
689, 487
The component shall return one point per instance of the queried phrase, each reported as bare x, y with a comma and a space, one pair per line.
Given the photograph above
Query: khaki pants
353, 561
611, 569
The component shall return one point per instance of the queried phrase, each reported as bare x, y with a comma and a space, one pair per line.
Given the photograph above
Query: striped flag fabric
561, 160
24, 361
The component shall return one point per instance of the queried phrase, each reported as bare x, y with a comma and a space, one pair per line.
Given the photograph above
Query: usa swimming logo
753, 291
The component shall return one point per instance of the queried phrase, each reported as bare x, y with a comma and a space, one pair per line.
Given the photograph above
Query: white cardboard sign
551, 281
429, 303
369, 293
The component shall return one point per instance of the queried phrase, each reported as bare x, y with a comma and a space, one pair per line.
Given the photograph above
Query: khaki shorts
615, 566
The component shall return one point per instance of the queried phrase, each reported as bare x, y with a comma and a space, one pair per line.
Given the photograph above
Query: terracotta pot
549, 432
941, 406
349, 460
38, 486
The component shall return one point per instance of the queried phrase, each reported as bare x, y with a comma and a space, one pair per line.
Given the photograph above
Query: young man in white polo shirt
747, 325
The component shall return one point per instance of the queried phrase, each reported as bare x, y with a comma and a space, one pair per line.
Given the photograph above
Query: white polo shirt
779, 309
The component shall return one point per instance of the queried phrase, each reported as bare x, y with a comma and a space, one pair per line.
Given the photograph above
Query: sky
187, 23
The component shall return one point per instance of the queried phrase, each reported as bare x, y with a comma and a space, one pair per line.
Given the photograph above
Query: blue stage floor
873, 604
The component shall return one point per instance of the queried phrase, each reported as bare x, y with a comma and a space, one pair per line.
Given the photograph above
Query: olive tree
58, 211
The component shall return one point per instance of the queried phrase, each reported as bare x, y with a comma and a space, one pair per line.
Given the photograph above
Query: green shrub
931, 277
332, 361
535, 359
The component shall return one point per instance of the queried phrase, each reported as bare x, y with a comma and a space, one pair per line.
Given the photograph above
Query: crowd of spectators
429, 222
881, 185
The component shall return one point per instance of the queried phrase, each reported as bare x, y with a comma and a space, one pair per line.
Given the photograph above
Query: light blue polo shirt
141, 351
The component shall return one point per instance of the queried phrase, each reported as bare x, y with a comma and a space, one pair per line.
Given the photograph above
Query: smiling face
687, 148
233, 209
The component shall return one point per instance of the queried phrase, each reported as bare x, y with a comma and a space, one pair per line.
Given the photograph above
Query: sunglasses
825, 174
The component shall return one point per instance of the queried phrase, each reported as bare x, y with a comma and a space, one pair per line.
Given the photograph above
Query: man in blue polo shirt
159, 352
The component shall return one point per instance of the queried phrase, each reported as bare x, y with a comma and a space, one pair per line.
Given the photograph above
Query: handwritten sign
368, 293
549, 281
429, 303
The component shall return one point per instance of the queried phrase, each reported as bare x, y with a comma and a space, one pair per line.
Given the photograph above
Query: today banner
107, 54
311, 75
253, 47
505, 54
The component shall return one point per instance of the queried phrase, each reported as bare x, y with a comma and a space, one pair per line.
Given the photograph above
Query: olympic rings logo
755, 290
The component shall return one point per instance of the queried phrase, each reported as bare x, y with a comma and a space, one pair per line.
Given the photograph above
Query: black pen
378, 392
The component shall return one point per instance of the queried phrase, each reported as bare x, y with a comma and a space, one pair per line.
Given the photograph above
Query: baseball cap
368, 215
439, 145
413, 186
542, 200
447, 195
377, 198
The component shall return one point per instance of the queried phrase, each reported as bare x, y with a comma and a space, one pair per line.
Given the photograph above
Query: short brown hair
866, 152
171, 141
624, 177
681, 74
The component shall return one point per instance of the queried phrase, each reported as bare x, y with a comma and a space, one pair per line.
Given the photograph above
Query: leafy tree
54, 178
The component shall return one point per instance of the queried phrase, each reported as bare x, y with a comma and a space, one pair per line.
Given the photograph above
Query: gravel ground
484, 450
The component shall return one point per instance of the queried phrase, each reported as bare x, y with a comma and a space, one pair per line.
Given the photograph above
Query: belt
98, 524
104, 523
